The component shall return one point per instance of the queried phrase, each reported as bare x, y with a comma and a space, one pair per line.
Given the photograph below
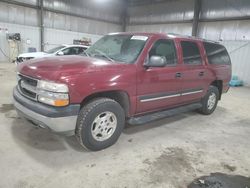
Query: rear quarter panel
217, 72
224, 73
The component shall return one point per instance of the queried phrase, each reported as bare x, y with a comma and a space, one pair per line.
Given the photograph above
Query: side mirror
60, 53
156, 61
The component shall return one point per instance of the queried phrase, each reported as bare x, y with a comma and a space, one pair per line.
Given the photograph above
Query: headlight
54, 99
52, 93
51, 86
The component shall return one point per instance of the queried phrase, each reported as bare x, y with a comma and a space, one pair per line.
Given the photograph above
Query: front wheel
209, 102
100, 124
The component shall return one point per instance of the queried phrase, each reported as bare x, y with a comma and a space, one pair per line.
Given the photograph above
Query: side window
166, 48
80, 50
71, 51
216, 54
74, 51
191, 53
67, 51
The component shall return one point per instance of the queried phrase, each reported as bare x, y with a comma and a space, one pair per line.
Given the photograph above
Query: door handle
178, 75
201, 74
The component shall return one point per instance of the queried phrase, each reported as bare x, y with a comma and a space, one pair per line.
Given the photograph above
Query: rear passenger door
193, 72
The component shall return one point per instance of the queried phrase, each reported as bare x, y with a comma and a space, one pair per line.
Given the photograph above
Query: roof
75, 45
170, 35
174, 35
138, 33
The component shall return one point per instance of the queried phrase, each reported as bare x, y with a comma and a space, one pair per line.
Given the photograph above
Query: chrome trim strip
158, 98
19, 90
28, 86
192, 92
27, 76
170, 96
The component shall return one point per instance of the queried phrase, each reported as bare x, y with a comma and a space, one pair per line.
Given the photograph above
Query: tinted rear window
216, 54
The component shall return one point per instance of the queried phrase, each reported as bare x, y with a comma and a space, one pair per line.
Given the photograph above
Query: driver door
159, 87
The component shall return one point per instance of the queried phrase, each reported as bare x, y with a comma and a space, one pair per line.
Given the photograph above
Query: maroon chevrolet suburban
123, 77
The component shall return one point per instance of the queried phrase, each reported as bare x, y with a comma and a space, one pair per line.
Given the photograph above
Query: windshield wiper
104, 55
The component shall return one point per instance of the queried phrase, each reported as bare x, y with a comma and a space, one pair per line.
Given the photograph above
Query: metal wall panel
29, 2
71, 23
240, 57
48, 19
54, 37
18, 19
184, 29
161, 12
31, 17
27, 32
243, 30
60, 21
110, 11
4, 12
97, 27
18, 14
224, 8
226, 30
28, 16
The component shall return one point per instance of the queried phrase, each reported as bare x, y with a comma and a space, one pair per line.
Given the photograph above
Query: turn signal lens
61, 102
53, 102
53, 98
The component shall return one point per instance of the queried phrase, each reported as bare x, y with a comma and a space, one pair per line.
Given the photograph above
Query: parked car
124, 77
59, 50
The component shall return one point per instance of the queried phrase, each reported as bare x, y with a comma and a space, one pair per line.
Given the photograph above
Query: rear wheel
100, 124
209, 102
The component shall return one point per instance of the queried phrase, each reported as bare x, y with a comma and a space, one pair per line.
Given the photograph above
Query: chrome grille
29, 80
27, 86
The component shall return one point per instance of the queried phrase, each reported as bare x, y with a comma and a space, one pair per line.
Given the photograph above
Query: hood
51, 68
34, 54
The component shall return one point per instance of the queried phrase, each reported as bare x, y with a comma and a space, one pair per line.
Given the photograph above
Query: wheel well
119, 96
219, 85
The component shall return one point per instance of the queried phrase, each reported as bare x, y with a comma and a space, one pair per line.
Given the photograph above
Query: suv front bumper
61, 120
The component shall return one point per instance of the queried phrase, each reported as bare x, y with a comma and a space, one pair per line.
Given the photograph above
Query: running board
163, 114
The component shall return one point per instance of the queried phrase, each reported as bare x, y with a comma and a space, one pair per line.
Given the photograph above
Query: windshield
53, 50
122, 48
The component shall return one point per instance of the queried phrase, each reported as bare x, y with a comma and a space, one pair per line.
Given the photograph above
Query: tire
101, 112
208, 104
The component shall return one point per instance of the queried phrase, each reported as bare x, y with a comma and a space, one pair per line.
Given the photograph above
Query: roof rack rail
179, 35
191, 37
